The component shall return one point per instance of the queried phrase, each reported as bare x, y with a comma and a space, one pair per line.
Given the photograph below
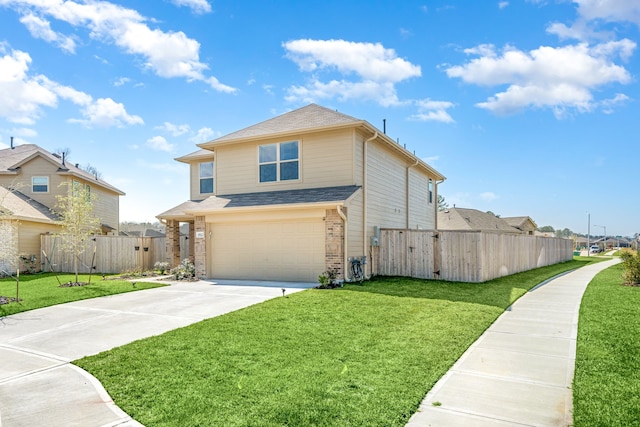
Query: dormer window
40, 184
206, 178
279, 162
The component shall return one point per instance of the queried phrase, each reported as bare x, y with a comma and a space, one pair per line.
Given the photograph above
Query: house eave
265, 208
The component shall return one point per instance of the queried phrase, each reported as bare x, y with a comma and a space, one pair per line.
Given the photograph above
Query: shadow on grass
500, 292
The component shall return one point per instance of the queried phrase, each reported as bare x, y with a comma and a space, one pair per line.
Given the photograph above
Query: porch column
334, 242
192, 242
200, 247
172, 243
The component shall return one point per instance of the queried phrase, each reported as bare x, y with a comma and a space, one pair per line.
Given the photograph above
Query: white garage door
290, 251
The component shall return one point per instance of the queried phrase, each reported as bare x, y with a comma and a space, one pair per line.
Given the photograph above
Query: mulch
7, 300
72, 284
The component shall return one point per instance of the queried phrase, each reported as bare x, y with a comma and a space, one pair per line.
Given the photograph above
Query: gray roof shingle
472, 219
269, 198
12, 157
311, 116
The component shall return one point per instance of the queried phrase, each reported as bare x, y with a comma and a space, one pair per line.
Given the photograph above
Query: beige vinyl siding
194, 178
326, 160
107, 204
421, 213
37, 167
386, 192
29, 238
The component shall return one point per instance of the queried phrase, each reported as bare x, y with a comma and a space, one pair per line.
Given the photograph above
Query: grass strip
606, 386
357, 356
42, 290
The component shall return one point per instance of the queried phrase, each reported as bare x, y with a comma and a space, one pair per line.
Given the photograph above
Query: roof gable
472, 219
307, 118
13, 158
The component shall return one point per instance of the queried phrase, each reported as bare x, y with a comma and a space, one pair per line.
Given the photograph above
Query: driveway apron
38, 385
520, 371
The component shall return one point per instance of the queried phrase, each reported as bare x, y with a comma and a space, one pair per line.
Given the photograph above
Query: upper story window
430, 191
206, 177
40, 184
279, 162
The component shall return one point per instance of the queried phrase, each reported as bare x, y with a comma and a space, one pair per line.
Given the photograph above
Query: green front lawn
606, 388
42, 290
360, 356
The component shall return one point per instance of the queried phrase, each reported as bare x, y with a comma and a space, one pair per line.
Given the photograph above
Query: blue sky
527, 107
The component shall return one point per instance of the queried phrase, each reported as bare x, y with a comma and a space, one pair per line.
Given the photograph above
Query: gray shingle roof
472, 219
269, 198
310, 117
10, 158
17, 204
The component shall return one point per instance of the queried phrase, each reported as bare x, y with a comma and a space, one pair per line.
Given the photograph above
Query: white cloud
502, 4
121, 81
160, 143
429, 110
23, 96
173, 129
488, 196
592, 14
369, 71
610, 10
197, 6
41, 29
105, 112
561, 79
168, 54
204, 135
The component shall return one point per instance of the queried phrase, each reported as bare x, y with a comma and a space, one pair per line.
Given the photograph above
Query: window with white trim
40, 184
430, 191
206, 177
279, 161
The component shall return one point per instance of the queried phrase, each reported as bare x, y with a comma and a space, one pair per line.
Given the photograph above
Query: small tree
75, 209
442, 204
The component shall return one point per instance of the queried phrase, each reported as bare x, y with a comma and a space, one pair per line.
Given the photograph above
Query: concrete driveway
38, 385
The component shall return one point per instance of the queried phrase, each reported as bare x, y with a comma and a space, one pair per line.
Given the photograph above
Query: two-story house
35, 177
296, 195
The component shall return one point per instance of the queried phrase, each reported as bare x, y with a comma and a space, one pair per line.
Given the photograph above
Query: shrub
329, 279
631, 265
162, 266
186, 270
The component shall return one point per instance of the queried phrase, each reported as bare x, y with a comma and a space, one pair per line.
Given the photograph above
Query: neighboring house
35, 177
22, 220
296, 195
523, 223
473, 219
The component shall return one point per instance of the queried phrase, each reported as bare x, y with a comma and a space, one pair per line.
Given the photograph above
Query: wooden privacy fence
466, 256
113, 254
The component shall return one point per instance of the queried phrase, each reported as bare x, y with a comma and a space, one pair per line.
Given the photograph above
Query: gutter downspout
407, 192
345, 259
364, 194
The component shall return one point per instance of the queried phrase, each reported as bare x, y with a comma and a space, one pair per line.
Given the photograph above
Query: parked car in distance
594, 249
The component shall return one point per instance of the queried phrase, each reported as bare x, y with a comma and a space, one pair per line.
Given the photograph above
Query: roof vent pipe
63, 153
12, 147
384, 126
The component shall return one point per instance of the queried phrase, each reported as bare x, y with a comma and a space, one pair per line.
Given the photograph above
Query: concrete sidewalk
520, 371
38, 385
